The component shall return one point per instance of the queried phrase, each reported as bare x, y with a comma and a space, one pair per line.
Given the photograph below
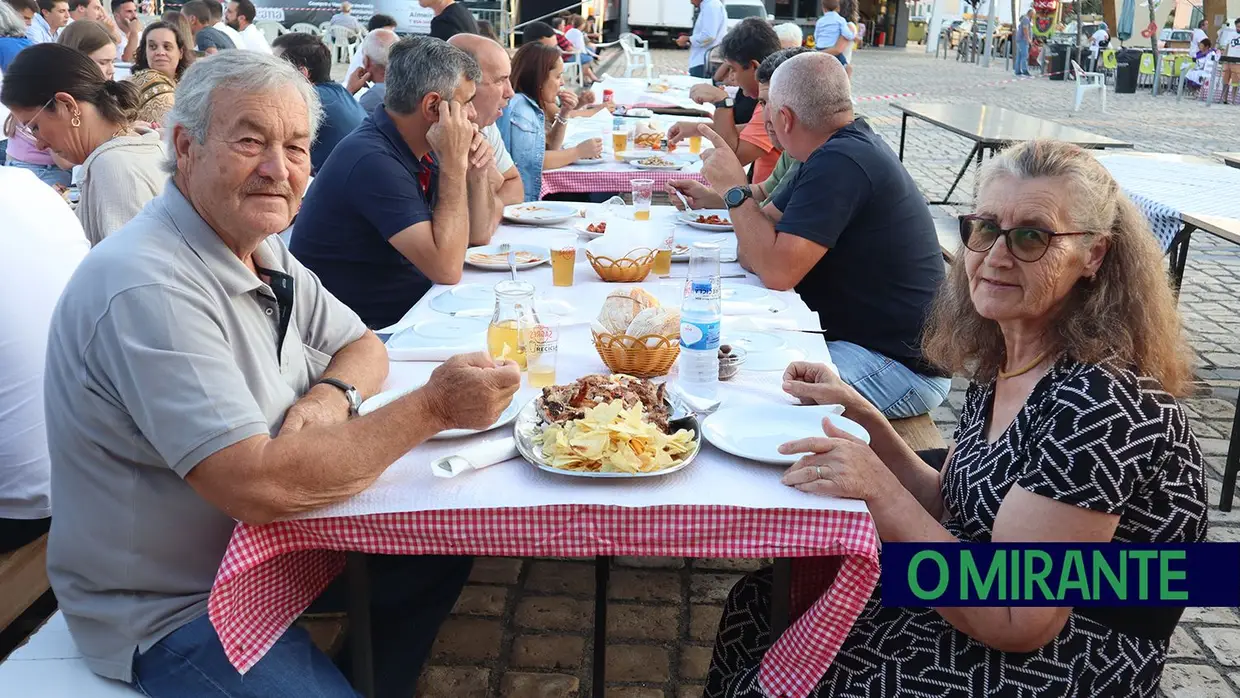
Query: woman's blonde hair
1126, 313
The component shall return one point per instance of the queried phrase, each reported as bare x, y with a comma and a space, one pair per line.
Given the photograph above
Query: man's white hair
378, 44
790, 35
345, 7
814, 87
248, 72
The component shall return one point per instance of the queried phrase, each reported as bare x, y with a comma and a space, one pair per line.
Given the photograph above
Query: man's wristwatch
726, 103
350, 394
736, 196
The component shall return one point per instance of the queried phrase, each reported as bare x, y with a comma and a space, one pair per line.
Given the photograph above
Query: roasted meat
561, 403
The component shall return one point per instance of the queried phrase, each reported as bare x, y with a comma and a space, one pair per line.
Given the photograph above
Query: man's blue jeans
895, 389
1022, 58
410, 597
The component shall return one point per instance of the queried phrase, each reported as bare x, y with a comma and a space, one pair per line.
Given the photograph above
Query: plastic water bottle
700, 317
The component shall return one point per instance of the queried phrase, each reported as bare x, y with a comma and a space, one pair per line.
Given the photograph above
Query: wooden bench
23, 579
919, 433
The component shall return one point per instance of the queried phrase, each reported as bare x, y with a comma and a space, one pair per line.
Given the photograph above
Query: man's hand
568, 102
683, 40
589, 149
707, 94
451, 136
358, 79
697, 194
587, 98
682, 130
720, 166
481, 154
322, 406
470, 391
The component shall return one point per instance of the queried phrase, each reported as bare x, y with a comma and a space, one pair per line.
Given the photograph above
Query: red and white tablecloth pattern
271, 573
583, 180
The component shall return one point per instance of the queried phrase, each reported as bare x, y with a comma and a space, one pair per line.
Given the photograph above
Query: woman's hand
589, 149
819, 384
568, 102
839, 465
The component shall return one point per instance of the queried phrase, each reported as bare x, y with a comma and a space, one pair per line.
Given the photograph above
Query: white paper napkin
476, 457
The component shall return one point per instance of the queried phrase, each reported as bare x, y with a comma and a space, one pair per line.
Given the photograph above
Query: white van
738, 10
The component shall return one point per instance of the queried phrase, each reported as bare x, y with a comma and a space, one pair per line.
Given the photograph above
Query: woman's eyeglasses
1026, 243
25, 130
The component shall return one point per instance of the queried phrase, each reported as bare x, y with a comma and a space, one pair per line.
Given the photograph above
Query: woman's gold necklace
1031, 365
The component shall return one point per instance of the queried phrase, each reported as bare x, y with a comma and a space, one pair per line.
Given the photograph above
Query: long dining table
719, 506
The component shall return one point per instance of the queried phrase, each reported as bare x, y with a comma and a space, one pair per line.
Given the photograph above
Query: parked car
1176, 38
1068, 35
738, 10
960, 29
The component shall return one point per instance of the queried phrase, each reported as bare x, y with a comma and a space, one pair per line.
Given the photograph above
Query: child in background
832, 33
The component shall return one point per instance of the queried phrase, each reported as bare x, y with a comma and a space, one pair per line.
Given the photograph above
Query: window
743, 11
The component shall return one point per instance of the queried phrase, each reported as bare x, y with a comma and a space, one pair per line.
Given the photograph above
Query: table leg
960, 175
903, 128
1233, 463
781, 596
358, 578
1179, 256
602, 575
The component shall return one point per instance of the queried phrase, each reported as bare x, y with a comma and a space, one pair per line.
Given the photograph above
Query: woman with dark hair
94, 40
535, 144
163, 56
179, 20
487, 29
61, 101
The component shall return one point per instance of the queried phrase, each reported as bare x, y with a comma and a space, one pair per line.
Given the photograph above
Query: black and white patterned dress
1095, 436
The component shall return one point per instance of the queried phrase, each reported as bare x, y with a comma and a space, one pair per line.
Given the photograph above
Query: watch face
734, 197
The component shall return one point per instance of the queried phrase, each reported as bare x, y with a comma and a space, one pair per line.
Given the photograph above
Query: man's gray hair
247, 72
378, 44
813, 86
420, 65
11, 23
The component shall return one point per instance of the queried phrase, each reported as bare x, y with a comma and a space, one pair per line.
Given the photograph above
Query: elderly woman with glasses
62, 102
1060, 314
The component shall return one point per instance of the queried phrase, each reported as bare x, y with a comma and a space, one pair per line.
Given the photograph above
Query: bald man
853, 199
494, 91
373, 71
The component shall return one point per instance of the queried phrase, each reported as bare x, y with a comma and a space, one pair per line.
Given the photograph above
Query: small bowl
730, 364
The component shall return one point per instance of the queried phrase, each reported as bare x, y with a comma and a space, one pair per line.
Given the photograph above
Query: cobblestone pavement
522, 628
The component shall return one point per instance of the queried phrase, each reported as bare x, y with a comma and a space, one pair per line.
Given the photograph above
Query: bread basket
634, 266
632, 355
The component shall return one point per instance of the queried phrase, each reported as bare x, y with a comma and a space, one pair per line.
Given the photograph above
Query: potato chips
613, 439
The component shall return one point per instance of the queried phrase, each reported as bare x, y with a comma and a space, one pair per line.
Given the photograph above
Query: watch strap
744, 191
350, 392
726, 103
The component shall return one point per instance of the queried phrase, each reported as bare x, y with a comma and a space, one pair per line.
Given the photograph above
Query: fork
506, 250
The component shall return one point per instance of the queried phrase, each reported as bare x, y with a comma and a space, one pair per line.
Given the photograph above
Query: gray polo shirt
165, 349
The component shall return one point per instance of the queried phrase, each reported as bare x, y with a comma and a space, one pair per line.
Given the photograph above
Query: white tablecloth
1164, 189
635, 92
714, 478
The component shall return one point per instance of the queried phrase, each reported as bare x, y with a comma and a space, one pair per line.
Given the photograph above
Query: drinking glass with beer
563, 260
643, 192
541, 349
663, 255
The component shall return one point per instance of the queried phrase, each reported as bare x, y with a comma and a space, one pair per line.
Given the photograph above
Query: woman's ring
818, 471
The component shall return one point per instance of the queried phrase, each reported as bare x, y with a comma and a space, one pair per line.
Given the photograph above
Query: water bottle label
704, 290
699, 335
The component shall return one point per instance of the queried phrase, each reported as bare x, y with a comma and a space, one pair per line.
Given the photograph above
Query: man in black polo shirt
451, 18
855, 238
400, 199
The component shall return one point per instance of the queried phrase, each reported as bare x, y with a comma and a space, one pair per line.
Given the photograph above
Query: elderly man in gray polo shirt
197, 375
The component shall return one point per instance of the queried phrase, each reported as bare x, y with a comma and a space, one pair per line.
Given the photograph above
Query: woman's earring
76, 121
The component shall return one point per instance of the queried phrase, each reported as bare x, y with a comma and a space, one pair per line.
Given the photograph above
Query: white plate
740, 299
374, 403
767, 351
544, 256
540, 213
469, 298
440, 333
675, 166
590, 161
757, 434
581, 228
529, 424
638, 154
689, 218
726, 254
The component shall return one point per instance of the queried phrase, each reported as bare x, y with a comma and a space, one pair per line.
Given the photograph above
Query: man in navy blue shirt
341, 113
852, 234
400, 199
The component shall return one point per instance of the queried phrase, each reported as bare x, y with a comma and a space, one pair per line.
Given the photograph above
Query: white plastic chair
636, 55
325, 28
270, 29
572, 69
306, 28
344, 42
1086, 82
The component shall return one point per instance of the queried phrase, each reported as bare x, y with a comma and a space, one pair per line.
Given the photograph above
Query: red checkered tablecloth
597, 179
270, 574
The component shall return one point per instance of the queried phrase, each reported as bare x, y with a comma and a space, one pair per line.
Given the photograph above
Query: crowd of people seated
175, 366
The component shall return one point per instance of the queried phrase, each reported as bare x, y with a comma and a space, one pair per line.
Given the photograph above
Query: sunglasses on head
1026, 243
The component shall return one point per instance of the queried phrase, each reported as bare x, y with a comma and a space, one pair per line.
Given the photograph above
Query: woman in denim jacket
534, 144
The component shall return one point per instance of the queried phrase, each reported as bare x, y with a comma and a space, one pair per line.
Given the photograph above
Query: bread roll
662, 322
622, 306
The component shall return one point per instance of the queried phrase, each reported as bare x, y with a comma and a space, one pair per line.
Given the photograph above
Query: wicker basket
625, 354
634, 266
